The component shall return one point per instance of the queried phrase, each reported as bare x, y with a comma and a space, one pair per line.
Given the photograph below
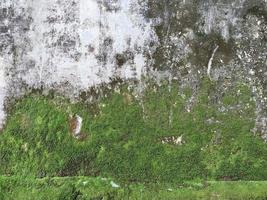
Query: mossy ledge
86, 188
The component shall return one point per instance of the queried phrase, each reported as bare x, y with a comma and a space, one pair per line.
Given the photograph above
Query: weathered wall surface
71, 46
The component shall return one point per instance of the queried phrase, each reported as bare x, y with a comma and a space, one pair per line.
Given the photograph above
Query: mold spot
120, 59
111, 5
91, 48
204, 45
108, 42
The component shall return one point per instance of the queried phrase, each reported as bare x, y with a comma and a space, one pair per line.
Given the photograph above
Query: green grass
13, 188
124, 137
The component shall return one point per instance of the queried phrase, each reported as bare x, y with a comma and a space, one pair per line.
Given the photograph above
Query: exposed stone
75, 126
174, 140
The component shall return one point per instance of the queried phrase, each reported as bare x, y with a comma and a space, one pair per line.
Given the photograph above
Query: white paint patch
81, 43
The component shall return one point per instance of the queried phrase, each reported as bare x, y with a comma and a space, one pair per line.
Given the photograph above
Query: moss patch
124, 137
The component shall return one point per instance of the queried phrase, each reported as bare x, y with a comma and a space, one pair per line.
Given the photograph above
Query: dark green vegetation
81, 188
124, 139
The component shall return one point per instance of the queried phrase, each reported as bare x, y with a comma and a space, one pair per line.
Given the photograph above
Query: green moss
124, 137
97, 188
